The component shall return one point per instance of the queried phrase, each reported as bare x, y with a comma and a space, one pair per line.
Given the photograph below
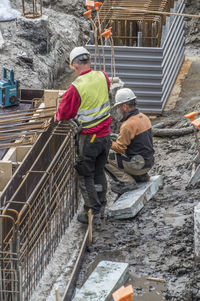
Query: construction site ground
159, 241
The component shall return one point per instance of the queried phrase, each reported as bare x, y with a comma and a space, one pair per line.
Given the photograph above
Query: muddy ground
159, 241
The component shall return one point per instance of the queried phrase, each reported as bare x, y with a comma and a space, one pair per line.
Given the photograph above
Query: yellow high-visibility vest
95, 106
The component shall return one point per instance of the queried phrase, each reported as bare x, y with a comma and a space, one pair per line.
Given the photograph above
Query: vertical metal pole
11, 280
23, 8
41, 7
139, 41
1, 284
20, 284
91, 37
90, 225
33, 7
101, 39
197, 140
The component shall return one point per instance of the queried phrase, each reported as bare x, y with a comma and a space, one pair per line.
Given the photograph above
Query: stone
131, 202
107, 277
195, 177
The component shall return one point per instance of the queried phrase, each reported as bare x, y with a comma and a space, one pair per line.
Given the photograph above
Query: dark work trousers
90, 165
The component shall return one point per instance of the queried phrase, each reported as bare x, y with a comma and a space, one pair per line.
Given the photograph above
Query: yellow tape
92, 139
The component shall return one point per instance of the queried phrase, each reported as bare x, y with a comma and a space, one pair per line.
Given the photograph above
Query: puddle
146, 290
177, 220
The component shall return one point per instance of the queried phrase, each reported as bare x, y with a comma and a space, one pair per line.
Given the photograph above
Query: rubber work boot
83, 218
121, 188
142, 178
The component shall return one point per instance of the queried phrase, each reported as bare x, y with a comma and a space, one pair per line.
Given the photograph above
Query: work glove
113, 136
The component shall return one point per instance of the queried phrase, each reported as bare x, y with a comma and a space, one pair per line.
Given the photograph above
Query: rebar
127, 17
32, 10
40, 210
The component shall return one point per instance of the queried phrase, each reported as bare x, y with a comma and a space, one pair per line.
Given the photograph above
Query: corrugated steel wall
150, 72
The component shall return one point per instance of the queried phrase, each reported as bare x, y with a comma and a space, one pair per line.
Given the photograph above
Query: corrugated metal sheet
150, 72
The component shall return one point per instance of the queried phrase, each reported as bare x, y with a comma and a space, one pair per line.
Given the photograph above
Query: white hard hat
123, 95
76, 52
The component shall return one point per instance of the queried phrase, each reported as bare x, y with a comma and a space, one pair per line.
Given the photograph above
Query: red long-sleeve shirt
69, 105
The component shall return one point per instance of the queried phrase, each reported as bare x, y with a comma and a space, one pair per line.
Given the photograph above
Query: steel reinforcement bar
33, 221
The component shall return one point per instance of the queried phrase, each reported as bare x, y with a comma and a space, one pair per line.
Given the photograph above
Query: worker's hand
113, 136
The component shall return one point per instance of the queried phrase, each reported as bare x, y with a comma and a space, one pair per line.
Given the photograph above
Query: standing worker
87, 100
132, 154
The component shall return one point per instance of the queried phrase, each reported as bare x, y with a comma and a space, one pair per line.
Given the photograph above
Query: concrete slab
2, 43
195, 177
131, 202
21, 152
107, 277
5, 173
53, 97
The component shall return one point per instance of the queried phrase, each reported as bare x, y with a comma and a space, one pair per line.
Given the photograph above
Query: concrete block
107, 277
16, 154
2, 43
197, 230
5, 173
51, 98
10, 155
131, 202
21, 152
195, 177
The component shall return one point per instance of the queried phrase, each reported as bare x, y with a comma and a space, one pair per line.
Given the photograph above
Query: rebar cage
32, 8
128, 26
34, 220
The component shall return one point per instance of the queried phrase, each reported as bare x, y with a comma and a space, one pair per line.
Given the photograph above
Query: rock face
38, 49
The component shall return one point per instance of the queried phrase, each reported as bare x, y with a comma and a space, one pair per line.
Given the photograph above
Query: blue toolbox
9, 90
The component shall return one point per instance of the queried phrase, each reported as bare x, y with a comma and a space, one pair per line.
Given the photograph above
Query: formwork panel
149, 71
34, 219
173, 54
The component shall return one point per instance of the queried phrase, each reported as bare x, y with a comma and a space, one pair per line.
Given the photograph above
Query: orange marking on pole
107, 33
196, 123
97, 5
191, 116
88, 14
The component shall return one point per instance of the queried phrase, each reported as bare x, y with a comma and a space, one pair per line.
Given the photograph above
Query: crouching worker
87, 99
132, 154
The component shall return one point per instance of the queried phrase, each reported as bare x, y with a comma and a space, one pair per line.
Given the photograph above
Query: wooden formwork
126, 23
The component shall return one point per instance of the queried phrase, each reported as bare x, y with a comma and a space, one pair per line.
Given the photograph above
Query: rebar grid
126, 24
32, 9
32, 228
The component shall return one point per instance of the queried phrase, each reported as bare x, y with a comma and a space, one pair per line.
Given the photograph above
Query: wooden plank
71, 284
